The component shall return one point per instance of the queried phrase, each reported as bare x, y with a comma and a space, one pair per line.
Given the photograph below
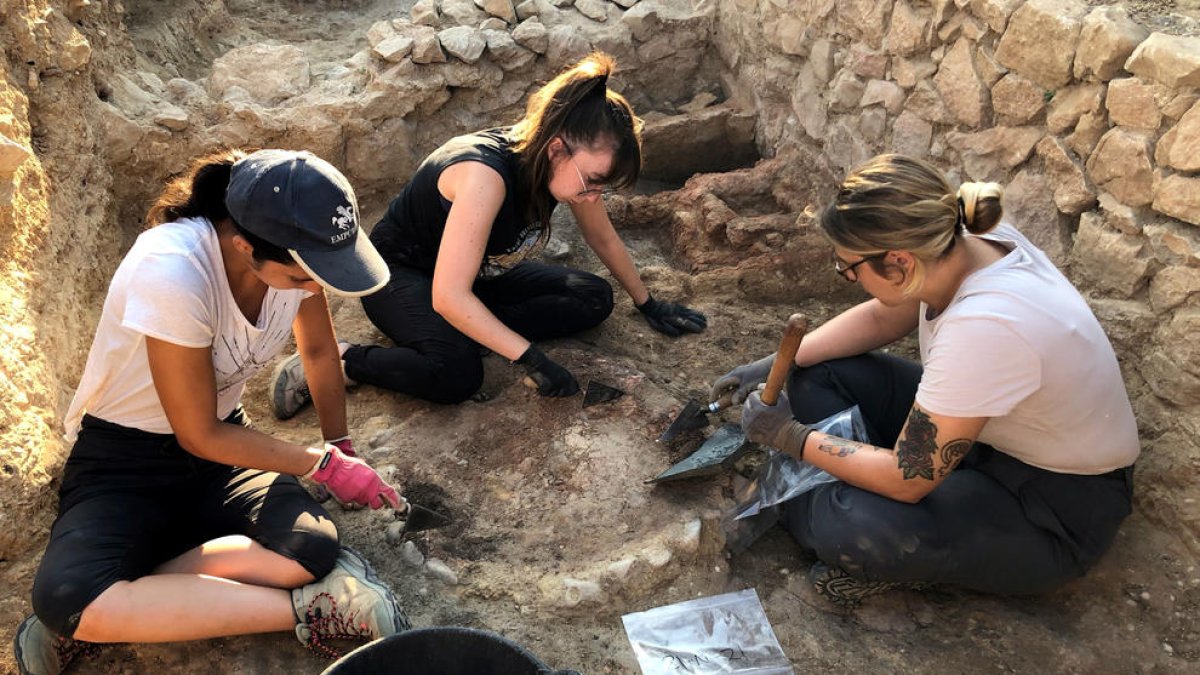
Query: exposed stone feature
12, 156
1178, 197
532, 35
926, 103
864, 19
1179, 104
1040, 40
791, 35
426, 46
867, 63
463, 42
1109, 260
844, 145
425, 13
170, 117
1030, 207
268, 73
596, 10
501, 9
1107, 39
959, 85
1017, 100
908, 72
911, 135
1170, 59
822, 59
995, 12
909, 31
846, 91
990, 70
1133, 103
1179, 148
1070, 104
1087, 133
1121, 217
888, 93
463, 12
873, 122
1173, 286
1072, 193
1121, 165
987, 154
394, 49
505, 51
566, 45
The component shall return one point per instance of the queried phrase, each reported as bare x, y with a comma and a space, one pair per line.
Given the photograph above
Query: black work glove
742, 380
671, 318
551, 379
774, 425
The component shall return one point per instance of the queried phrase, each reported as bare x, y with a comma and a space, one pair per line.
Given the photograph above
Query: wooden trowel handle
797, 325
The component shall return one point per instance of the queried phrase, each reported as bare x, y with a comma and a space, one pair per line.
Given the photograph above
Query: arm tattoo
914, 452
951, 453
839, 447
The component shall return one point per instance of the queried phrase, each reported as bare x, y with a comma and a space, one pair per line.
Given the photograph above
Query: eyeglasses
846, 270
586, 191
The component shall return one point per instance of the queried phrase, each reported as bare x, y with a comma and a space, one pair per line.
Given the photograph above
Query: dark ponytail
200, 193
577, 106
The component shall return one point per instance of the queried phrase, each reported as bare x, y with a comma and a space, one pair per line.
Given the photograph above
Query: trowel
729, 443
417, 518
598, 392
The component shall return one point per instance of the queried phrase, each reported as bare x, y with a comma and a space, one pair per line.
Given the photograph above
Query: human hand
320, 492
672, 319
774, 425
742, 380
352, 481
551, 379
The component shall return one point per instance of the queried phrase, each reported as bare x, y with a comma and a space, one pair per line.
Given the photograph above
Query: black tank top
410, 233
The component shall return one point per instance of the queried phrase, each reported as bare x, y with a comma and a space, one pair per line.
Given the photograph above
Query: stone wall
1091, 121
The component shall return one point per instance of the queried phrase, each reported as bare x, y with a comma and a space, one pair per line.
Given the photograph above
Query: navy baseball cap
300, 202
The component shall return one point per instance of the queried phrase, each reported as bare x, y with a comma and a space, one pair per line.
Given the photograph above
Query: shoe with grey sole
39, 651
349, 603
289, 389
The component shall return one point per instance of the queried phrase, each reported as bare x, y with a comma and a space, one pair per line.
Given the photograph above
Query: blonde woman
1003, 461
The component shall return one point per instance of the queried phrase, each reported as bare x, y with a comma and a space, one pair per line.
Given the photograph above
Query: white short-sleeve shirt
1018, 344
172, 286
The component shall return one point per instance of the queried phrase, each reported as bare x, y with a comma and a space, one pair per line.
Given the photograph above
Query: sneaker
289, 389
39, 651
843, 590
350, 603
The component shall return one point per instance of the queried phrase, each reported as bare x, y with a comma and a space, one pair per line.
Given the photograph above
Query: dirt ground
556, 536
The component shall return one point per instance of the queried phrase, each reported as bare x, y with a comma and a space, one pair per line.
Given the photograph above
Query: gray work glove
742, 380
774, 425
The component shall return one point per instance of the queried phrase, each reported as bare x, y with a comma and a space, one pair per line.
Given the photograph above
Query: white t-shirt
172, 286
1018, 344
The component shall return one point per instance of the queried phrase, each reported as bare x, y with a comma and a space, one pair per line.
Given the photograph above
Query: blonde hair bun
979, 205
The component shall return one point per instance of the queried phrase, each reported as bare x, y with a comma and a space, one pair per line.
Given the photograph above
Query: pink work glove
351, 481
320, 492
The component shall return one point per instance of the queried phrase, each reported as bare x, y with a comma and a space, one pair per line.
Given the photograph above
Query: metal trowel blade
598, 392
720, 451
419, 518
693, 416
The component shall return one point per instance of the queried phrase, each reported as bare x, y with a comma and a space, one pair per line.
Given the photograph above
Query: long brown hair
199, 192
578, 107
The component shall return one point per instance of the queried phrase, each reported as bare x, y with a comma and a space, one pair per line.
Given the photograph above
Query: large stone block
1173, 286
1173, 243
1133, 103
463, 42
911, 135
596, 10
380, 31
567, 45
1168, 381
532, 35
1107, 260
1179, 148
909, 30
1040, 40
1121, 165
1178, 197
960, 87
1107, 39
12, 156
873, 122
989, 154
791, 36
501, 9
426, 46
1030, 207
1172, 60
888, 93
867, 63
462, 12
1122, 217
844, 145
1178, 339
1017, 100
811, 111
268, 73
505, 51
865, 20
822, 58
1072, 192
846, 91
995, 12
908, 72
925, 102
1087, 134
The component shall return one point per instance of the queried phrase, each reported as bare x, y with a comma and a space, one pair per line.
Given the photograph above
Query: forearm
862, 465
235, 445
615, 256
326, 384
468, 314
858, 330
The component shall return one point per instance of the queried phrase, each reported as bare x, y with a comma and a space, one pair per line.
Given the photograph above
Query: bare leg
227, 586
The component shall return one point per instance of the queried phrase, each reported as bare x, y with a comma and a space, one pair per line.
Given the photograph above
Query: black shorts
132, 500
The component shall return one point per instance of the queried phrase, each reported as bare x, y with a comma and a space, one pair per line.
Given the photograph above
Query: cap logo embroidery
344, 222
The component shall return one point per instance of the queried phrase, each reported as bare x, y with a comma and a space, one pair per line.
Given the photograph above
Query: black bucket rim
451, 631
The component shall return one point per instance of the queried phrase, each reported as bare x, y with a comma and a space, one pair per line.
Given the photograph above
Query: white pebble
441, 571
1145, 595
411, 555
1168, 648
395, 533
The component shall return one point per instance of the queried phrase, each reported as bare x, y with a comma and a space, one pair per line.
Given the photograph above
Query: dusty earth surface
556, 535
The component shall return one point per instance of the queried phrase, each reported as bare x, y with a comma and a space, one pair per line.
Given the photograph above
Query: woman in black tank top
459, 237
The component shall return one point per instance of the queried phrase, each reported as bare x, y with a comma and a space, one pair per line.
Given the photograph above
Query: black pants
995, 524
434, 361
132, 500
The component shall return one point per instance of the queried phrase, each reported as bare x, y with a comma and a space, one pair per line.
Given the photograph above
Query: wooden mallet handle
797, 325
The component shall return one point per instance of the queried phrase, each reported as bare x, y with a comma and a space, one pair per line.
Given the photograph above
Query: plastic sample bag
726, 633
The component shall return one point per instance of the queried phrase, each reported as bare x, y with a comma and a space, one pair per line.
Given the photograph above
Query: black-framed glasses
846, 270
586, 191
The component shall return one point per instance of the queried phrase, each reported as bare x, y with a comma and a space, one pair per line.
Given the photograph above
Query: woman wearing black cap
458, 240
177, 521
